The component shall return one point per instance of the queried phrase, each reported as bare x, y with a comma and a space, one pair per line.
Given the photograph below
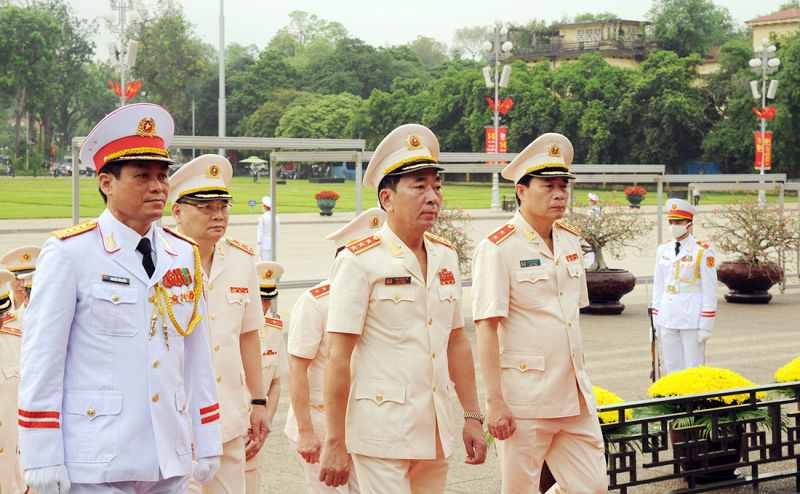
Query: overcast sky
382, 22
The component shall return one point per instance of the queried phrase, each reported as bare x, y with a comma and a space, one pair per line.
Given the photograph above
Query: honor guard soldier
20, 261
264, 245
11, 477
396, 336
201, 208
529, 285
118, 380
685, 291
308, 350
274, 365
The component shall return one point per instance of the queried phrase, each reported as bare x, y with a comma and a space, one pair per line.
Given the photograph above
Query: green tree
429, 51
468, 41
382, 112
354, 67
690, 26
306, 31
320, 117
589, 17
264, 121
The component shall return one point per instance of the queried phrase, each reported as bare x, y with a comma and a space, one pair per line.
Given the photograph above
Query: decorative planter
635, 200
326, 206
606, 288
725, 451
748, 284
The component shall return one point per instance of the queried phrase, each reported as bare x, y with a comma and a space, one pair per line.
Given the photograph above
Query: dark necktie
677, 247
147, 261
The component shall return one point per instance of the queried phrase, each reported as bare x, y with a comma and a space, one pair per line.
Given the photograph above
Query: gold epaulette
75, 230
701, 244
13, 331
440, 240
9, 317
363, 245
181, 236
568, 227
321, 291
275, 323
242, 246
502, 233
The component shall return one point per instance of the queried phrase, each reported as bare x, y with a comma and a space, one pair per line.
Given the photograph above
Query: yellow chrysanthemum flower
703, 380
789, 372
605, 397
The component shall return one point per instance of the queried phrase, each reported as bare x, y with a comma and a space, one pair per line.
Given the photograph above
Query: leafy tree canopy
690, 26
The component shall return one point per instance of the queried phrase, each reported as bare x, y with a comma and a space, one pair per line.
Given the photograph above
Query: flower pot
326, 206
635, 200
749, 284
725, 451
606, 288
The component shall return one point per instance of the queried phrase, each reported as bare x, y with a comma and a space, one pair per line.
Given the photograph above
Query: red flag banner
765, 149
507, 104
765, 113
492, 142
491, 103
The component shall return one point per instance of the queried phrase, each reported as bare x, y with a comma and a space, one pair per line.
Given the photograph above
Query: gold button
321, 407
213, 316
115, 298
210, 287
1, 423
216, 348
561, 292
1, 450
155, 398
397, 297
250, 409
379, 397
90, 412
152, 299
434, 354
184, 406
556, 262
241, 300
569, 322
523, 366
434, 388
219, 378
16, 371
155, 364
573, 354
430, 321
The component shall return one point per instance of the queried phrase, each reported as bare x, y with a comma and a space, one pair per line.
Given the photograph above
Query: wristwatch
474, 415
258, 402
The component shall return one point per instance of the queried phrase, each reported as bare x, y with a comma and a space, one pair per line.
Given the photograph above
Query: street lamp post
764, 63
497, 33
117, 22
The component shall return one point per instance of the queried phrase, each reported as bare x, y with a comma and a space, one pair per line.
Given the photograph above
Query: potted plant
326, 200
608, 229
760, 239
635, 196
787, 374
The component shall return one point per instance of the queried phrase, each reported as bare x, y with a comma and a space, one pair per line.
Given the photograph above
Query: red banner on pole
491, 142
764, 148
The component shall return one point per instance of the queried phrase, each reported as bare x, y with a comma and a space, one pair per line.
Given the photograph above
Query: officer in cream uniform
396, 336
117, 380
274, 364
308, 350
11, 477
529, 285
20, 261
685, 291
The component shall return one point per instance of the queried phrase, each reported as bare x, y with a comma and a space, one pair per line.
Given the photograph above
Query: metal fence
711, 454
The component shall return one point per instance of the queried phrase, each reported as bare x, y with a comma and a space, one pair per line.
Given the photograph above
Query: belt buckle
671, 288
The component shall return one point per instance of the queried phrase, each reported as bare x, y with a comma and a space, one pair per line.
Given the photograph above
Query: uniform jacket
693, 267
234, 307
400, 383
11, 477
265, 232
97, 393
538, 295
309, 340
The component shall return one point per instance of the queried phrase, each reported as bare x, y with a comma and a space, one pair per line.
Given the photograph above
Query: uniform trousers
230, 476
392, 476
266, 254
311, 471
572, 447
681, 349
252, 481
161, 486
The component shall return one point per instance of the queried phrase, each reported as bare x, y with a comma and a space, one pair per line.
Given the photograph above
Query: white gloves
203, 470
48, 480
703, 335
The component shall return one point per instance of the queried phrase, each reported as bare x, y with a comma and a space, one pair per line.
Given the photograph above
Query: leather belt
682, 289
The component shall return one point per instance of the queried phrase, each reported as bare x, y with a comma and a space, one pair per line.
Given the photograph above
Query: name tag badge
117, 279
530, 263
666, 257
402, 280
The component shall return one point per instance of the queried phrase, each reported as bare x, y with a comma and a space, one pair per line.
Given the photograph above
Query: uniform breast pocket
530, 288
448, 295
236, 306
12, 380
522, 377
395, 305
91, 425
114, 309
574, 282
183, 443
378, 409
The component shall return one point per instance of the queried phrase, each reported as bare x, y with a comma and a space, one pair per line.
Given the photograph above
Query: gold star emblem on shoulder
396, 249
531, 236
110, 241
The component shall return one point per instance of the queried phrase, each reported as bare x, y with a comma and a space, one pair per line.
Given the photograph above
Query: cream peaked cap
548, 156
205, 178
407, 148
21, 260
362, 226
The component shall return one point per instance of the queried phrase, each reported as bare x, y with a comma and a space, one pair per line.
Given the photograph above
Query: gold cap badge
554, 150
212, 171
267, 274
25, 257
147, 128
414, 141
674, 206
374, 222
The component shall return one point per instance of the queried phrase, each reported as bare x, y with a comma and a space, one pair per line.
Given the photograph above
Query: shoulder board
701, 244
440, 240
75, 230
13, 331
502, 233
662, 243
568, 227
321, 291
275, 323
9, 317
365, 244
180, 235
242, 246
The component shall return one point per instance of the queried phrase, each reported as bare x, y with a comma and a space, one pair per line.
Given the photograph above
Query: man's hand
48, 480
474, 441
335, 464
499, 420
259, 424
204, 469
251, 448
309, 447
703, 335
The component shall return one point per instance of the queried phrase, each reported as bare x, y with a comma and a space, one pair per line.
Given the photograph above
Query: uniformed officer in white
117, 380
264, 245
685, 291
308, 350
200, 205
396, 337
19, 261
274, 364
11, 477
529, 285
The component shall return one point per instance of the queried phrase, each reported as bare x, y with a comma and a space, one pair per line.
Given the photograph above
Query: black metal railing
711, 454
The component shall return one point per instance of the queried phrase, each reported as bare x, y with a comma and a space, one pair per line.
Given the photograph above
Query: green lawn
47, 197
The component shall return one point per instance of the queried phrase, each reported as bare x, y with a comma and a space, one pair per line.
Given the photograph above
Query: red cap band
677, 213
129, 146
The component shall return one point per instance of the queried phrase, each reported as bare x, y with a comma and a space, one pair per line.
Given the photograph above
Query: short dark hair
388, 182
115, 169
526, 181
339, 250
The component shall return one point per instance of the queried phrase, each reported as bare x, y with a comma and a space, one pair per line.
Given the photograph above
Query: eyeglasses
210, 209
